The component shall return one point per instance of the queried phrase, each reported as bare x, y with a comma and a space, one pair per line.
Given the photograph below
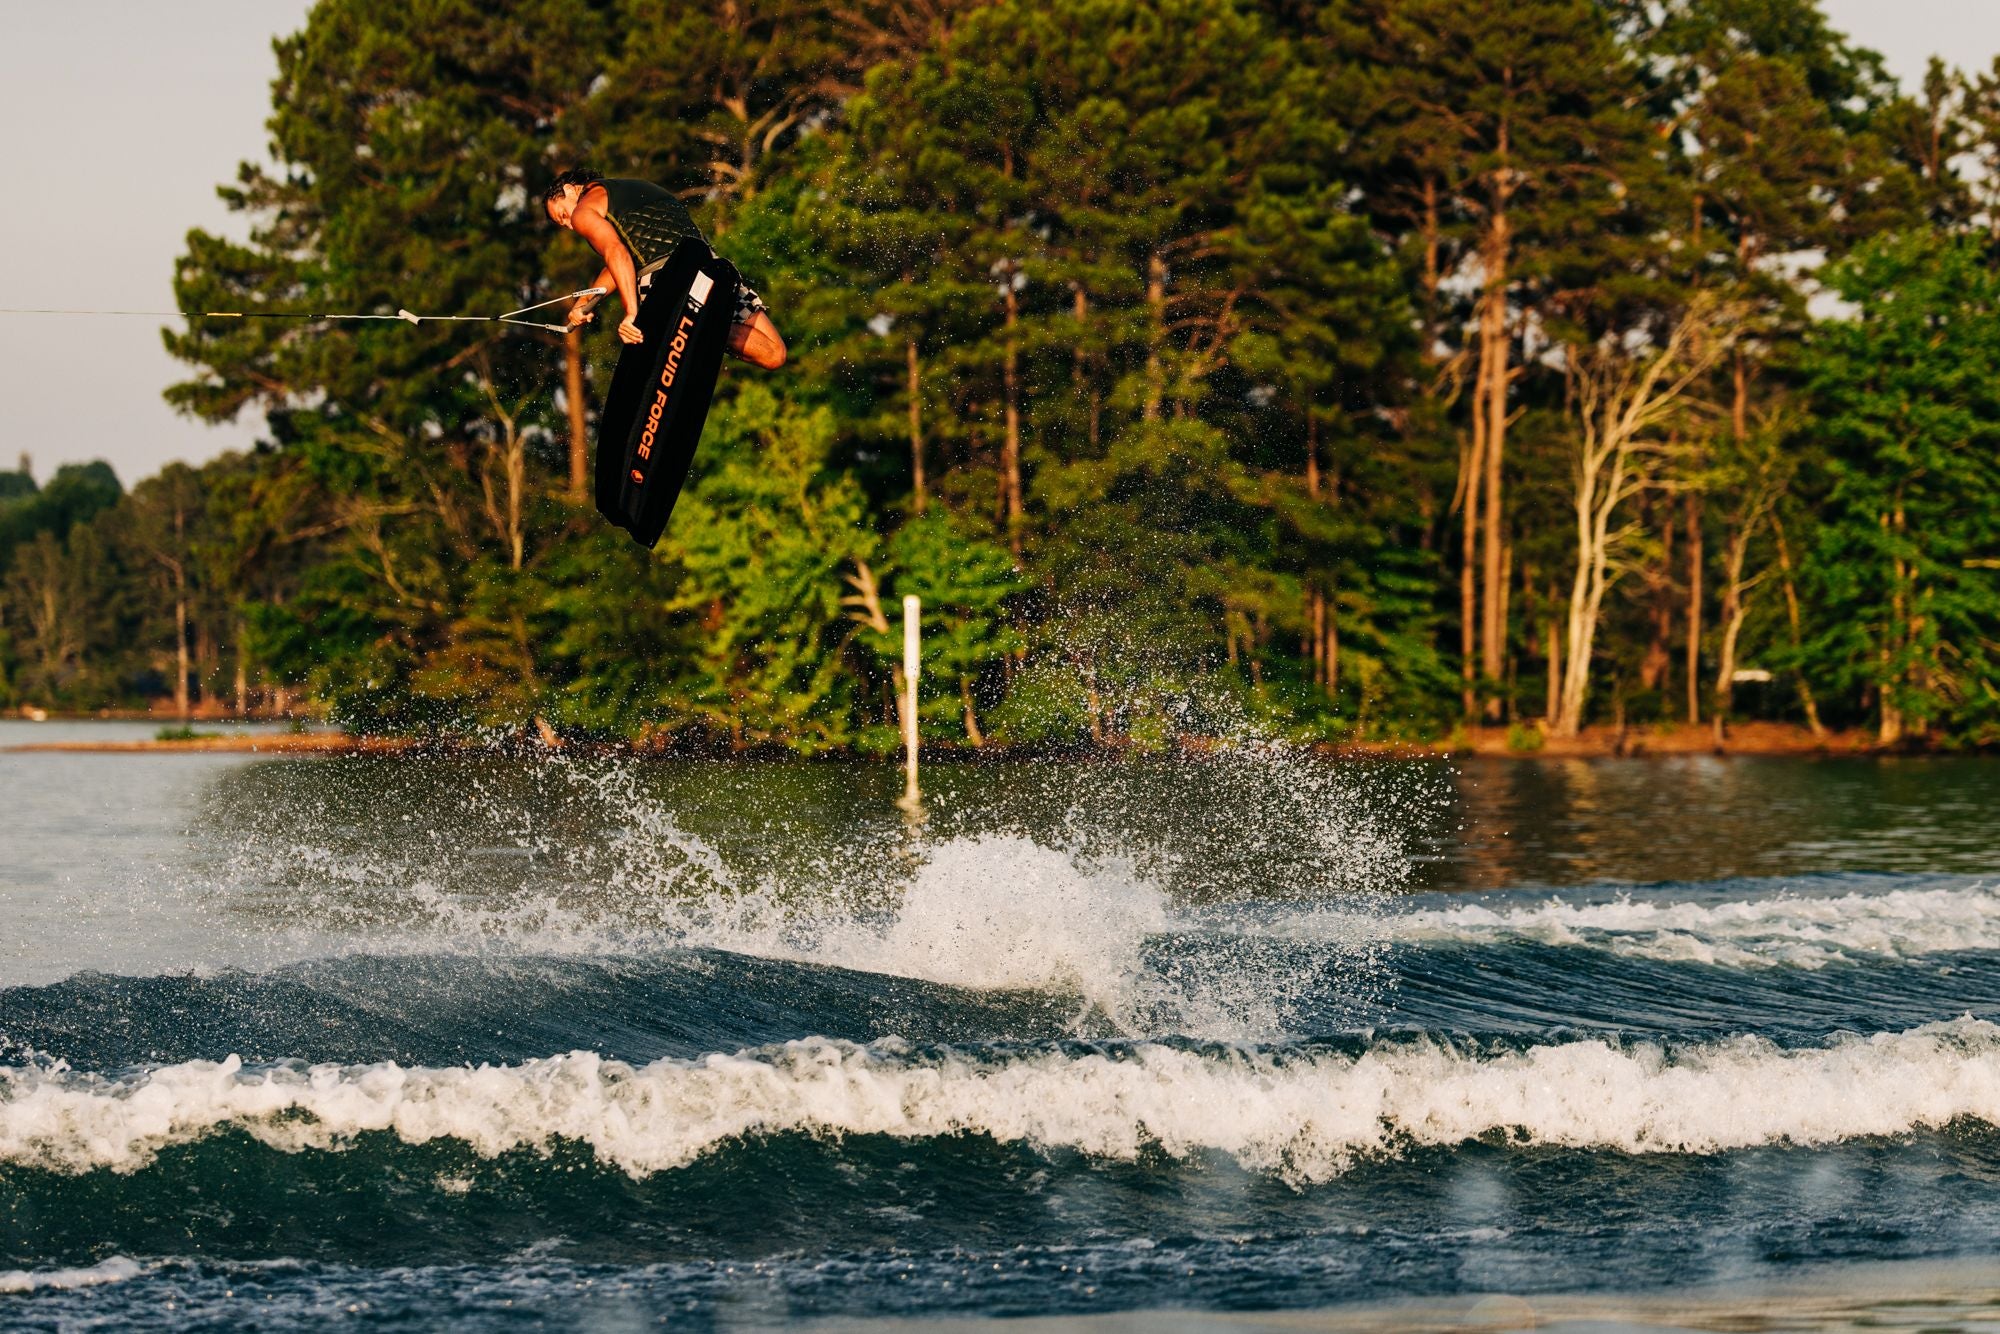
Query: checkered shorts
748, 304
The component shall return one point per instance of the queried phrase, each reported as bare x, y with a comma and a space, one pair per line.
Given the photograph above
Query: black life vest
649, 220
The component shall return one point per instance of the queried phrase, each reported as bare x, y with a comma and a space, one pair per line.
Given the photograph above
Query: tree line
1390, 365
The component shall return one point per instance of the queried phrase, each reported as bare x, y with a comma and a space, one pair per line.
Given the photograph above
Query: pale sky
1909, 32
118, 118
133, 111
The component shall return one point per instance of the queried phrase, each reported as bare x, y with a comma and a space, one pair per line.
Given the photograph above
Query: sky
118, 118
1909, 32
135, 110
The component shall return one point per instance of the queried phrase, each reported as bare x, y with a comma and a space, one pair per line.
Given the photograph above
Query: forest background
1379, 367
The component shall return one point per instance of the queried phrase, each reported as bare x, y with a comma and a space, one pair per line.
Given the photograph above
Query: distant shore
1656, 739
263, 743
1752, 739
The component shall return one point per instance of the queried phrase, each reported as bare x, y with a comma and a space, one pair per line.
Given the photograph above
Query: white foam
521, 861
117, 1269
1003, 912
991, 912
1783, 930
1300, 1114
995, 911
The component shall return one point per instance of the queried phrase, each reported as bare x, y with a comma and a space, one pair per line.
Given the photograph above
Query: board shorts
748, 304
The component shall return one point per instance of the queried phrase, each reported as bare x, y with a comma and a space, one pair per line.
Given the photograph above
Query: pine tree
1907, 404
1509, 142
414, 142
1777, 122
1104, 229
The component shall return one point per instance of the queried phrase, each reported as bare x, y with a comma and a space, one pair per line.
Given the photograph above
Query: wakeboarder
634, 226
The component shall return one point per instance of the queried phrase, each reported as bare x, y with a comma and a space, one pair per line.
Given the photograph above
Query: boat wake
1303, 1112
1784, 929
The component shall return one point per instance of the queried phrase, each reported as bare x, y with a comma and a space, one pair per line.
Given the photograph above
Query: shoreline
273, 743
1757, 740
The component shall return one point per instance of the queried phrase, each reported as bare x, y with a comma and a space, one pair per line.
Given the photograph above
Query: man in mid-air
634, 226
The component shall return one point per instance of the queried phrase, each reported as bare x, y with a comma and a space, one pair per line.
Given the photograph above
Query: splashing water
1158, 1031
1070, 886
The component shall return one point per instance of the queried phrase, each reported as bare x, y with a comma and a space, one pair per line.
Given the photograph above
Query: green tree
414, 141
58, 588
67, 612
1511, 144
76, 494
1785, 141
1906, 570
15, 486
765, 538
1106, 244
964, 583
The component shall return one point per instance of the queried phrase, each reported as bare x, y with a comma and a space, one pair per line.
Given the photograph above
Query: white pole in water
911, 610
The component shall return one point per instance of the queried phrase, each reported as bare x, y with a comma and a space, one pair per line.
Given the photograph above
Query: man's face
563, 207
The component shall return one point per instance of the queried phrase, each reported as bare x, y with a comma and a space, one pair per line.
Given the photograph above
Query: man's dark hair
583, 176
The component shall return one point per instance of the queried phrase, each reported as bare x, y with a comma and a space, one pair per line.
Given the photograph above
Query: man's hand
583, 312
628, 332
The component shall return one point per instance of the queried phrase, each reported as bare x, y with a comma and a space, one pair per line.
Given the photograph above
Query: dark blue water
502, 1043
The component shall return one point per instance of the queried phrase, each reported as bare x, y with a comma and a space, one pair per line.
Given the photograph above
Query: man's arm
591, 224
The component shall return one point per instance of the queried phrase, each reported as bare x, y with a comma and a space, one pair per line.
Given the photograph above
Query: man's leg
758, 342
753, 337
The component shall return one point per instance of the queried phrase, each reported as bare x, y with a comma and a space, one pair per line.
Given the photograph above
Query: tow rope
407, 317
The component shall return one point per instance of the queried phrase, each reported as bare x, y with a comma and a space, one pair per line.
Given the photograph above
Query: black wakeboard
660, 391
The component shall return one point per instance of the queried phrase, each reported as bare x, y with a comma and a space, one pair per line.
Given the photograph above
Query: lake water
520, 1041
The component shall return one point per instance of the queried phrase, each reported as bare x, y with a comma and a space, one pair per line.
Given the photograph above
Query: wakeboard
660, 391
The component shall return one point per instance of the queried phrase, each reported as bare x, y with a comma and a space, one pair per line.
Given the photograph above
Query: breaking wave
1302, 1112
1782, 930
117, 1269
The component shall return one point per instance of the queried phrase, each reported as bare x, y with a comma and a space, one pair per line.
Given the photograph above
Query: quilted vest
649, 220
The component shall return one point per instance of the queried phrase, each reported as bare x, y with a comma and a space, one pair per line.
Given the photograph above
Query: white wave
117, 1269
523, 862
998, 912
1784, 930
1304, 1115
1003, 912
994, 912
